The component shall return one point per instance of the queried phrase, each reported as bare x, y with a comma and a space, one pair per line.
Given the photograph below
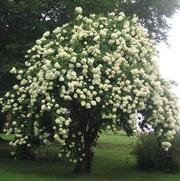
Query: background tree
92, 74
21, 23
153, 14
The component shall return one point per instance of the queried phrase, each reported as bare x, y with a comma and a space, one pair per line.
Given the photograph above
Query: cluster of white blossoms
97, 72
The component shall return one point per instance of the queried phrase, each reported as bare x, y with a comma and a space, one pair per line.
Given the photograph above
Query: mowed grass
112, 162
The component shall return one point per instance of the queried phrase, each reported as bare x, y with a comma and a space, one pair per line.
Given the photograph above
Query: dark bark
90, 137
88, 122
85, 166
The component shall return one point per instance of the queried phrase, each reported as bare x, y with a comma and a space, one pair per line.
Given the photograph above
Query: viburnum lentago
92, 74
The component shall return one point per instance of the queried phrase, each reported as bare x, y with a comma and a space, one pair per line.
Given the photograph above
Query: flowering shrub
92, 74
151, 156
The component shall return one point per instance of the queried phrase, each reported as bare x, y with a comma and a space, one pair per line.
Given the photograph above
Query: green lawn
112, 163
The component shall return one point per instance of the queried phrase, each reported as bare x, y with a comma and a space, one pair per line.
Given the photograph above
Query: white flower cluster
95, 71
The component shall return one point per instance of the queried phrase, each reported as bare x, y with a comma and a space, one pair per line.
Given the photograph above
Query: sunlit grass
112, 162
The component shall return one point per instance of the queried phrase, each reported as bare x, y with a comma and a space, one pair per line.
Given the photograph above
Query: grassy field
113, 162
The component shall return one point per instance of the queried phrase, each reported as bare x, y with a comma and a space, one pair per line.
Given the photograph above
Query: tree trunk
85, 166
89, 123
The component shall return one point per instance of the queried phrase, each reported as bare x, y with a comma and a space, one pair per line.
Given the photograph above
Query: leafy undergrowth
113, 162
